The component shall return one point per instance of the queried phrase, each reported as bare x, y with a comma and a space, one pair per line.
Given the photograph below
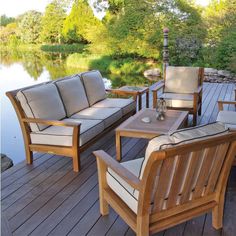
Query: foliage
52, 22
5, 20
80, 24
30, 27
130, 33
220, 43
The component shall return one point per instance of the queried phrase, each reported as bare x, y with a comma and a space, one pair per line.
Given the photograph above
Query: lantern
161, 109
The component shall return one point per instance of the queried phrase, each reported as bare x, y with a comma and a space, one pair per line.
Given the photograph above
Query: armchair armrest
198, 90
51, 122
221, 103
158, 86
125, 174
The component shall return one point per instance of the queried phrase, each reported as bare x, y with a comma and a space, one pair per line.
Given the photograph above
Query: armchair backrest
187, 176
182, 79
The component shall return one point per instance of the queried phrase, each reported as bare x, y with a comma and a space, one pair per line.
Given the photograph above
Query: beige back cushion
181, 79
42, 102
94, 86
182, 136
73, 95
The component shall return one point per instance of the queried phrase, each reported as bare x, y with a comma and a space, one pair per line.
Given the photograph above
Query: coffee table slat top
173, 120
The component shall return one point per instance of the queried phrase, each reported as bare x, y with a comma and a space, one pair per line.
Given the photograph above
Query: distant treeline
198, 36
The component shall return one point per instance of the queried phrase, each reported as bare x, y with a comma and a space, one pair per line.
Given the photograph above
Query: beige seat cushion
178, 100
94, 86
42, 102
73, 95
126, 105
181, 79
128, 194
107, 115
62, 136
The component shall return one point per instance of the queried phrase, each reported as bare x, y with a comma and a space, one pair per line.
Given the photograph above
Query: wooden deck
48, 198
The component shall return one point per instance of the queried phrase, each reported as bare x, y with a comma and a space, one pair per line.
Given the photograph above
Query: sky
16, 7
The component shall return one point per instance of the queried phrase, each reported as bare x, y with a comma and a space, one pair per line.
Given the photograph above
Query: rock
210, 71
152, 72
218, 76
6, 162
224, 73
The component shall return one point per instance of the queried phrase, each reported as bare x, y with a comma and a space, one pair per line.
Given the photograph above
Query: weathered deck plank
48, 198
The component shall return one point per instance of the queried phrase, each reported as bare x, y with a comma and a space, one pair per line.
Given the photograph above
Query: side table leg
139, 102
118, 147
147, 99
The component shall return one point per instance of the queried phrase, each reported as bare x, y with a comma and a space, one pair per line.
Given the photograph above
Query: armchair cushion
227, 117
94, 86
73, 95
178, 100
181, 79
108, 115
128, 194
126, 105
60, 135
42, 102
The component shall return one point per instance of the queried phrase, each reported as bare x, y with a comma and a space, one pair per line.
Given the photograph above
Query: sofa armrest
51, 122
125, 174
120, 92
221, 103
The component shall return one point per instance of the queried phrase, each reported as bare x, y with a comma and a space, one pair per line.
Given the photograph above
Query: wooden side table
134, 91
134, 127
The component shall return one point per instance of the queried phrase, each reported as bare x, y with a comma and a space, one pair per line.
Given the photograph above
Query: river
20, 69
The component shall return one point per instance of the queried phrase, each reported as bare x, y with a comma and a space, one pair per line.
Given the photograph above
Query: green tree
220, 43
52, 22
136, 29
81, 24
5, 20
8, 32
30, 27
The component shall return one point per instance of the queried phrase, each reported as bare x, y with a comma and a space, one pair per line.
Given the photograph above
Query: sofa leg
76, 162
29, 156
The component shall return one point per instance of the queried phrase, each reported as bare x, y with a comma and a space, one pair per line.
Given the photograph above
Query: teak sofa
182, 89
65, 116
182, 176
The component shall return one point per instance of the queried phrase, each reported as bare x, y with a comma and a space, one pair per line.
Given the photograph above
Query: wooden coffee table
136, 128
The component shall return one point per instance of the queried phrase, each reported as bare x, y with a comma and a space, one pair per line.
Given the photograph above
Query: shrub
107, 64
64, 48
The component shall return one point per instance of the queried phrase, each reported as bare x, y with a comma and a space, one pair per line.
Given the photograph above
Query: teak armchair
182, 89
197, 184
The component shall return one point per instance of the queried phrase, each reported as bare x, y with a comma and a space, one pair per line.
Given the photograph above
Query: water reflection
20, 69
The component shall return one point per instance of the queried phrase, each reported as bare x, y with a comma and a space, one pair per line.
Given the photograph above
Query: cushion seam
64, 106
31, 109
122, 186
